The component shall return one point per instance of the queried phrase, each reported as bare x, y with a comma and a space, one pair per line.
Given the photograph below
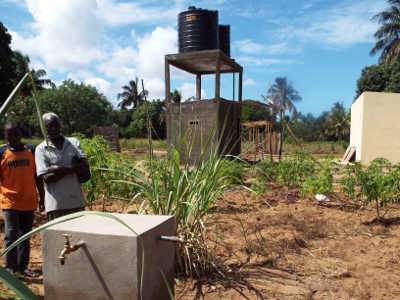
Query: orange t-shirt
17, 177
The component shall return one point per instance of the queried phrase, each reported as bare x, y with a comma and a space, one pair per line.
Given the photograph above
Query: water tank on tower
197, 29
224, 36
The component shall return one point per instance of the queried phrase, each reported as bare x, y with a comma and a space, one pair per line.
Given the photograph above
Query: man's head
12, 134
53, 125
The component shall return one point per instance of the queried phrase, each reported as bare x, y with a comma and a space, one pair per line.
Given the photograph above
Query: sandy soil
279, 246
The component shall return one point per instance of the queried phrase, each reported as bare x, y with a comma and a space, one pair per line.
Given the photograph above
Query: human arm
56, 172
78, 164
40, 188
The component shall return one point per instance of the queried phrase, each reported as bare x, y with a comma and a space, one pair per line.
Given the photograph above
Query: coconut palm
281, 96
22, 67
387, 36
131, 96
337, 122
176, 96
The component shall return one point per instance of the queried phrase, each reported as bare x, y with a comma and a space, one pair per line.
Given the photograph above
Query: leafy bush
320, 182
290, 173
105, 167
380, 183
349, 182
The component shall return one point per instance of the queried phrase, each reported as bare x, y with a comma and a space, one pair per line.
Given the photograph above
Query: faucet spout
68, 248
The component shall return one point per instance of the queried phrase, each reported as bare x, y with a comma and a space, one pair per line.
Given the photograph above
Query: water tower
204, 50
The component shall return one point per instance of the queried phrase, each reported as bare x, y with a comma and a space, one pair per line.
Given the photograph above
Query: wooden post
198, 86
217, 77
167, 103
167, 83
240, 85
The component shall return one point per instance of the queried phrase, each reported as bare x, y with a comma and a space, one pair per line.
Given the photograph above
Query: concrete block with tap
94, 257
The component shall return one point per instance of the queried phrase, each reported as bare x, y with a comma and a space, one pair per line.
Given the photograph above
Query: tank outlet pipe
173, 239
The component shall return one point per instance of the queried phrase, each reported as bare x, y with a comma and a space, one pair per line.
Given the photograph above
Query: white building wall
375, 126
356, 128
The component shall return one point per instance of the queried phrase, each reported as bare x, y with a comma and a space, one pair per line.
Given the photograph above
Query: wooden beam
183, 66
167, 82
167, 104
217, 77
198, 86
203, 62
240, 85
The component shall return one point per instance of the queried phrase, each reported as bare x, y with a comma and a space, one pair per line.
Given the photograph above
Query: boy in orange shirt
18, 196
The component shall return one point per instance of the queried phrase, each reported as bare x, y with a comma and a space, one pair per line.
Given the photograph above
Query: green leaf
8, 102
16, 285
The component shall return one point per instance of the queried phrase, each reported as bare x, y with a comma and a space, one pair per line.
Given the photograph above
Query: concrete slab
109, 266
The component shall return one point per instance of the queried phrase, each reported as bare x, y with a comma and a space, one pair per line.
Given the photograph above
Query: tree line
82, 106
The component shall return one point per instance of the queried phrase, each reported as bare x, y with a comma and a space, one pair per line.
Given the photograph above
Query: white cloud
150, 59
102, 85
80, 75
122, 13
188, 90
257, 61
66, 34
121, 64
345, 25
249, 82
145, 62
250, 47
152, 49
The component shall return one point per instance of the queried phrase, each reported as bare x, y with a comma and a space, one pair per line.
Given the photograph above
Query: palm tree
337, 122
131, 96
22, 67
281, 96
387, 36
176, 96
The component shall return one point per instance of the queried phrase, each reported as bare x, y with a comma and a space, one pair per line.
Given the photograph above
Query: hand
56, 169
41, 205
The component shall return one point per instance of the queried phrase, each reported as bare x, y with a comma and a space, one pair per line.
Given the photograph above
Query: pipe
173, 239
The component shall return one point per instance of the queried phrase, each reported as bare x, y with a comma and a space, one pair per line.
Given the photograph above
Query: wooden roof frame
200, 63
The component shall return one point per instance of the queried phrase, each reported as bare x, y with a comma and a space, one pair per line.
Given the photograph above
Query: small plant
349, 182
105, 167
289, 173
321, 182
380, 184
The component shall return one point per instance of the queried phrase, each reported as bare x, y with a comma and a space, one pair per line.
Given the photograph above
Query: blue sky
321, 46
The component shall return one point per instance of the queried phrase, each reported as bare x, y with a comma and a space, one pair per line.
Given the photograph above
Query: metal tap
68, 248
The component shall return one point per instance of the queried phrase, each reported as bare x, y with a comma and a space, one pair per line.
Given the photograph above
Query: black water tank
225, 39
197, 29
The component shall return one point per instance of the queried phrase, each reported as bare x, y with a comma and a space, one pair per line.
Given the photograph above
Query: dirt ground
280, 246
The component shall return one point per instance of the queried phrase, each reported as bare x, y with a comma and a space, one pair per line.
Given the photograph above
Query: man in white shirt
59, 164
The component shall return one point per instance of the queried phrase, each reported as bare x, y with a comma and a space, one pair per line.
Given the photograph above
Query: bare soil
279, 246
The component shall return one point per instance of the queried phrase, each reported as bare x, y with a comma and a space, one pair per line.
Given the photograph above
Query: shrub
320, 182
379, 183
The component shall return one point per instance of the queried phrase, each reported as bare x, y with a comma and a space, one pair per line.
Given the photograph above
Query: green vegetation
384, 77
387, 35
379, 183
141, 143
79, 106
131, 96
105, 168
281, 97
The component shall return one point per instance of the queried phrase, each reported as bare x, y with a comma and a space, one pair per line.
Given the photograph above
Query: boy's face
13, 136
